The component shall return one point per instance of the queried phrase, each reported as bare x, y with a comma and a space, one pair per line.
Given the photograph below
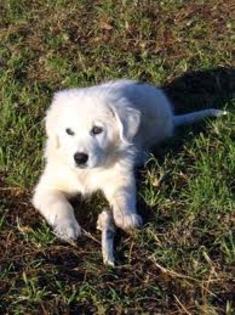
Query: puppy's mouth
87, 166
81, 166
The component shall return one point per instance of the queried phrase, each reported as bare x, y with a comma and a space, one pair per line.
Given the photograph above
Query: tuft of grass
182, 261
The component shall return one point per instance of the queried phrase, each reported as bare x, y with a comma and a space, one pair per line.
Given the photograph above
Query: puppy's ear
128, 120
51, 122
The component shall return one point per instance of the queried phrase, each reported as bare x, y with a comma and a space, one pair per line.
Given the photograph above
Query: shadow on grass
194, 91
201, 89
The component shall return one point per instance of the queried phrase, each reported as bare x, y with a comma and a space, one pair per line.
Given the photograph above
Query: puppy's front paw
67, 229
128, 221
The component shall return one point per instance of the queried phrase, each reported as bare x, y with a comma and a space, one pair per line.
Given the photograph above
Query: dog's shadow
196, 90
192, 91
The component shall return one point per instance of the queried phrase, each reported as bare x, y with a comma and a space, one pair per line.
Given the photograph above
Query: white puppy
95, 136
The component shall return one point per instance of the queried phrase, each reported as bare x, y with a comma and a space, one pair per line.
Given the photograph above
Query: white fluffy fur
134, 117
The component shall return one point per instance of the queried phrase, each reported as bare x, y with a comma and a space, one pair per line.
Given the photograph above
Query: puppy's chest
85, 182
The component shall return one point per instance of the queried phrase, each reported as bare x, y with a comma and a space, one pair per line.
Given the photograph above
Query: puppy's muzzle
81, 159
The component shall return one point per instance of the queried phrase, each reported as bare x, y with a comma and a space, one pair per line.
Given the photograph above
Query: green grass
182, 261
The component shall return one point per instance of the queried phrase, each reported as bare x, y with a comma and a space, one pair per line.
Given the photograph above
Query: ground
183, 260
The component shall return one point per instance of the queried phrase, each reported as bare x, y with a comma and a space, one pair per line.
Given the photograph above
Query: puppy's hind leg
56, 209
191, 118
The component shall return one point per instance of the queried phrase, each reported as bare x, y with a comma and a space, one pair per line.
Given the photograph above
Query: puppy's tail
195, 116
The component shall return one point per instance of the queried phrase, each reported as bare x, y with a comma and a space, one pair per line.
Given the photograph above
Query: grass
182, 261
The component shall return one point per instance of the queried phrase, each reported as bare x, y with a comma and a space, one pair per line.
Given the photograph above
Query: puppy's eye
96, 130
69, 131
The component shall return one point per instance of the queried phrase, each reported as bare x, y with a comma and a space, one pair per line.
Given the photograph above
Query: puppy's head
87, 130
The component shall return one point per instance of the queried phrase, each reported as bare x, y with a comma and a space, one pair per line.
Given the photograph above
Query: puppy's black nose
80, 158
